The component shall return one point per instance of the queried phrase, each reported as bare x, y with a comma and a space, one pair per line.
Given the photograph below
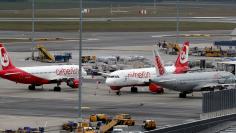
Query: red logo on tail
4, 57
181, 63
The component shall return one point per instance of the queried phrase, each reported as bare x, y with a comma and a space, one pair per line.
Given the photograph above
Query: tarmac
101, 40
20, 107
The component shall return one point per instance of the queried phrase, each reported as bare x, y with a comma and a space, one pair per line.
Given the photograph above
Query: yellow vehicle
149, 124
121, 119
86, 59
125, 119
98, 117
85, 130
83, 124
70, 126
210, 52
173, 48
43, 55
88, 130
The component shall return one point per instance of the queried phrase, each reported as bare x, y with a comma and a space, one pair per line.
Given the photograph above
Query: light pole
80, 63
154, 6
177, 21
33, 17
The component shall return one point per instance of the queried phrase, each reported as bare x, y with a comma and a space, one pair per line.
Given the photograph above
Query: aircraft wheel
134, 89
118, 93
57, 88
221, 88
31, 87
162, 91
182, 95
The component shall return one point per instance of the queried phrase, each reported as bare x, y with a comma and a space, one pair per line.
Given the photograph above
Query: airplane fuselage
41, 74
199, 81
133, 77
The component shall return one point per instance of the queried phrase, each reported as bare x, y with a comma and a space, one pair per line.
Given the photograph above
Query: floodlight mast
33, 20
177, 21
80, 62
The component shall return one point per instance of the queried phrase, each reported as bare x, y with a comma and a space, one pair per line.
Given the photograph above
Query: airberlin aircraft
140, 77
39, 75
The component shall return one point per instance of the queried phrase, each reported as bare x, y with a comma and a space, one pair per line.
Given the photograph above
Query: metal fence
197, 126
219, 100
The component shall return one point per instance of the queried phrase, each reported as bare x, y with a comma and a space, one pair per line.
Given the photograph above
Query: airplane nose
108, 81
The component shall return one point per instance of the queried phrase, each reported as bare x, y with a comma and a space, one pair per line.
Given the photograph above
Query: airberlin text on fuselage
67, 71
142, 74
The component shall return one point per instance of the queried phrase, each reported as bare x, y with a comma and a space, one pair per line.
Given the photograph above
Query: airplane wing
161, 80
104, 74
211, 85
9, 74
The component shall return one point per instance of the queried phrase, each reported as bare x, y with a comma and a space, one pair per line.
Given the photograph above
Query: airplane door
126, 78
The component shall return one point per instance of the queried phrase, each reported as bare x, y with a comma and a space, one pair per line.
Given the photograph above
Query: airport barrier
219, 100
197, 126
225, 43
217, 107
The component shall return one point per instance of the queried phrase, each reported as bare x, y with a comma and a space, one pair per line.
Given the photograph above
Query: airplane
187, 83
140, 77
39, 75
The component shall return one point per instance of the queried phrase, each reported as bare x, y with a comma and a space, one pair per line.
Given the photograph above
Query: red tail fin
182, 61
5, 59
159, 65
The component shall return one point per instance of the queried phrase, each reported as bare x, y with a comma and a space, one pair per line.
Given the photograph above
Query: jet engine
115, 87
154, 88
73, 83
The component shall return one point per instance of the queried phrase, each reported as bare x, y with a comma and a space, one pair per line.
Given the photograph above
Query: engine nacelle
154, 88
73, 83
115, 87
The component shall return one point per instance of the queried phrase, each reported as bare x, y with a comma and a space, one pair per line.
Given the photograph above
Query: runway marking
82, 108
158, 36
208, 17
93, 39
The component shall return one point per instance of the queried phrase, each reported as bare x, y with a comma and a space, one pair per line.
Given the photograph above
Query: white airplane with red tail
39, 75
187, 83
140, 77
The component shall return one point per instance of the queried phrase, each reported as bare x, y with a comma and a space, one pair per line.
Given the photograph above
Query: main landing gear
134, 89
57, 88
182, 95
31, 87
118, 93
